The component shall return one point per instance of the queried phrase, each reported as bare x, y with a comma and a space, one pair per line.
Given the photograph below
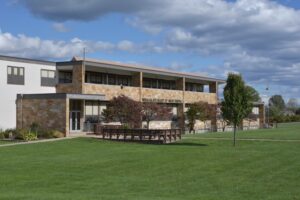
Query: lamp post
268, 107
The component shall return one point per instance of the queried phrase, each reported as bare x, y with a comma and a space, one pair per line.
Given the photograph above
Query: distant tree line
278, 111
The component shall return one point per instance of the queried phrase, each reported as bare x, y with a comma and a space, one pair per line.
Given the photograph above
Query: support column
78, 77
213, 87
262, 118
67, 114
181, 117
137, 81
180, 85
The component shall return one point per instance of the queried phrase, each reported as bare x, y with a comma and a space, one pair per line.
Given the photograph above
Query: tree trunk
148, 124
234, 135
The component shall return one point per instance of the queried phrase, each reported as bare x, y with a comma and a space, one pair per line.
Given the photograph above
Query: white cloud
35, 47
126, 45
60, 27
259, 38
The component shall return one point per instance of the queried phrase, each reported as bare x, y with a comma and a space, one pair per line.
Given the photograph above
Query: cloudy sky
258, 38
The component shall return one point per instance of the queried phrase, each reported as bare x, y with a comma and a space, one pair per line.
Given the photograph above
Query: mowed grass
285, 131
86, 168
6, 142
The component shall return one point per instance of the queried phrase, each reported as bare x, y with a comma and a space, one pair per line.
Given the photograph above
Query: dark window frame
48, 81
159, 84
65, 79
15, 79
194, 87
107, 79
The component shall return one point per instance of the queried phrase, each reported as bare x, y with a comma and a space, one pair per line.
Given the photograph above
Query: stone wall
49, 114
191, 97
159, 125
112, 91
160, 94
65, 88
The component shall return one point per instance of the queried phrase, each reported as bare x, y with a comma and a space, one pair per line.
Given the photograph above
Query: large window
159, 84
15, 75
93, 111
107, 79
194, 87
65, 77
48, 78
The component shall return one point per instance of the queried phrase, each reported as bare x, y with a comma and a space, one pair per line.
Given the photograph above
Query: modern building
70, 96
26, 76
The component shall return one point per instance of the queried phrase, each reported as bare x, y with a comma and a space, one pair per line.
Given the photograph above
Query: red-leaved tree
124, 110
154, 111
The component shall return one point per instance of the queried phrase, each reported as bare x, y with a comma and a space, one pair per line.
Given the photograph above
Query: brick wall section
49, 114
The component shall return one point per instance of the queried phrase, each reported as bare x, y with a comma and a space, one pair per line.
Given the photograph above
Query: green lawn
5, 142
289, 131
85, 168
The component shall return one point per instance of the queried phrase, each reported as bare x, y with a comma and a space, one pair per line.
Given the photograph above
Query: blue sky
258, 38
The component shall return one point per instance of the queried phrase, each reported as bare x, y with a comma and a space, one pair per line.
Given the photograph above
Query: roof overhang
97, 97
138, 68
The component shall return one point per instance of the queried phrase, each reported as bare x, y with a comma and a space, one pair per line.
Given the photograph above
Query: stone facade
161, 95
191, 97
112, 91
139, 93
66, 88
47, 113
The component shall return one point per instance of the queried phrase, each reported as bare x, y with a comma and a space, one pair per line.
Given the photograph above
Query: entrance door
75, 121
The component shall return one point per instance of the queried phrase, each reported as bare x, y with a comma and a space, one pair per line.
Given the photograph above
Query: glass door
75, 121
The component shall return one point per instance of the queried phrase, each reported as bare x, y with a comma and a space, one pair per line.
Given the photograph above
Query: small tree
276, 115
277, 101
197, 111
154, 111
253, 94
124, 110
292, 105
237, 103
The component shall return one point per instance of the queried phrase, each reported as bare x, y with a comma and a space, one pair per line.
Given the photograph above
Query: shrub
57, 134
44, 134
2, 135
19, 134
10, 133
30, 136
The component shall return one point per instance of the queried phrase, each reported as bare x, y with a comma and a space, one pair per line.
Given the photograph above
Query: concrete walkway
35, 142
247, 139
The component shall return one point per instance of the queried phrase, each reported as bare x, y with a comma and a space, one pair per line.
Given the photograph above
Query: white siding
8, 93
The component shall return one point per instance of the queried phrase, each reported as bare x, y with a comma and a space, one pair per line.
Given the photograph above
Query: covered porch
83, 112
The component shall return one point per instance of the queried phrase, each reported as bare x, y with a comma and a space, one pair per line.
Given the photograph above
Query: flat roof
137, 68
99, 97
26, 60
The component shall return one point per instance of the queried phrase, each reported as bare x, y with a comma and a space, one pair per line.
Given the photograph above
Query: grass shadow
189, 144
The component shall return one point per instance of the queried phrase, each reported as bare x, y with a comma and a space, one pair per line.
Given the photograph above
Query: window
159, 84
15, 75
107, 79
65, 77
194, 87
48, 78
